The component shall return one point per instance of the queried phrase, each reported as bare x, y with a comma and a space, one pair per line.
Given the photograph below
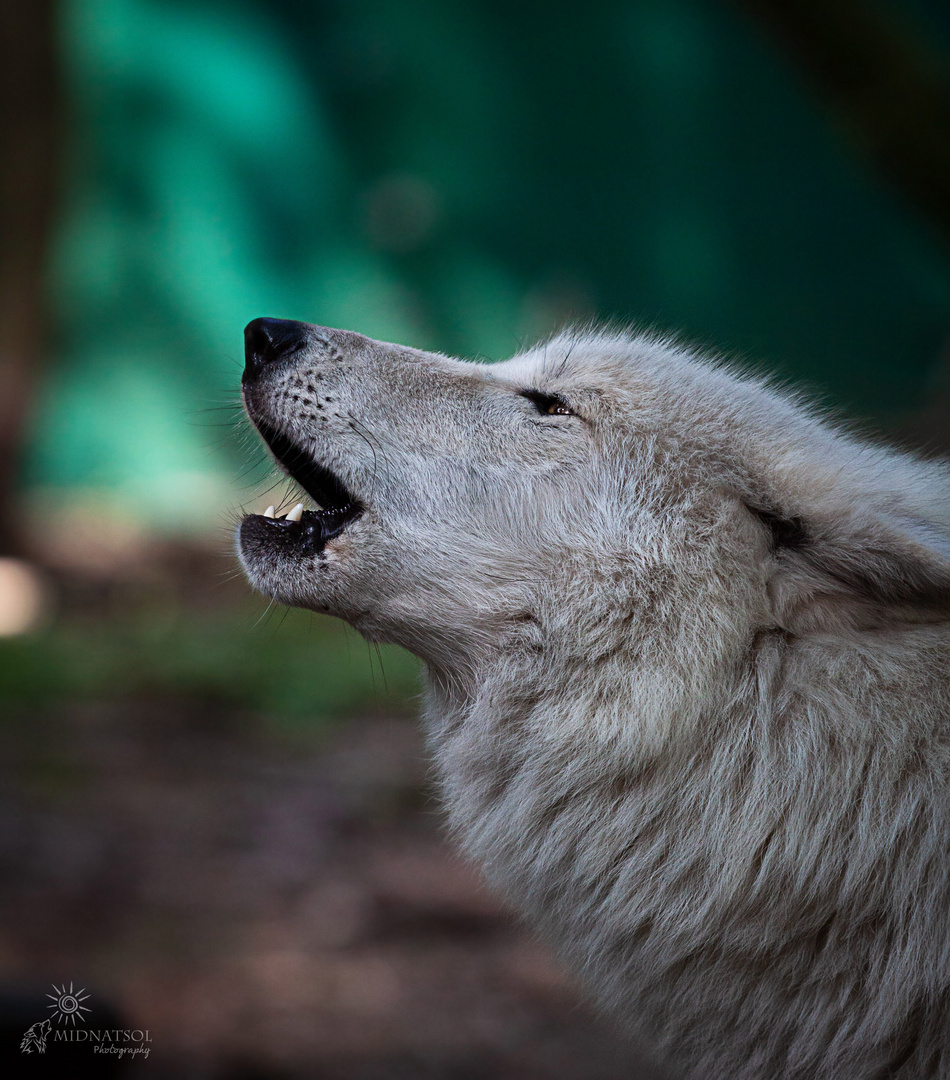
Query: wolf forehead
674, 413
638, 367
634, 380
635, 393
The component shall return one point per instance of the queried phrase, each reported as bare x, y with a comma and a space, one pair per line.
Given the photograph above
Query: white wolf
686, 646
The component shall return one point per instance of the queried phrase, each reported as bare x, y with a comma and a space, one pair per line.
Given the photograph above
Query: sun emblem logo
68, 1004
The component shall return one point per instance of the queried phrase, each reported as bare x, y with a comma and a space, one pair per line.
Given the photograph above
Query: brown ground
270, 910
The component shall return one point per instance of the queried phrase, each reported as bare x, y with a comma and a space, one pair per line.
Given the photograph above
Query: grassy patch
294, 667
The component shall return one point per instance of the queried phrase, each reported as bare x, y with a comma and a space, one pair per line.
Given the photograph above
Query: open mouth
337, 506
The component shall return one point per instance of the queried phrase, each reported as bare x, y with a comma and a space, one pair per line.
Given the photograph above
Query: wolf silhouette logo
34, 1038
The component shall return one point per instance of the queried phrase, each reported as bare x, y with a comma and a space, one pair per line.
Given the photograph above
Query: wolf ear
878, 557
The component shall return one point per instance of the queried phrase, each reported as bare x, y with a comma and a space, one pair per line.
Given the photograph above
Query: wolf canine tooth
296, 513
269, 512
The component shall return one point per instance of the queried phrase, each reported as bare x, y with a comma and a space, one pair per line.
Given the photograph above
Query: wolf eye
548, 404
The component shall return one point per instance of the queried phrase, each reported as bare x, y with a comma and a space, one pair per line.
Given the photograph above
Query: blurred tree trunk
890, 91
29, 150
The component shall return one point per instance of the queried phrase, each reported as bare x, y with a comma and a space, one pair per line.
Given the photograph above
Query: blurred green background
456, 175
766, 177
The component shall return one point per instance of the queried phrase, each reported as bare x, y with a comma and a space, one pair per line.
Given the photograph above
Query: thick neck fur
753, 877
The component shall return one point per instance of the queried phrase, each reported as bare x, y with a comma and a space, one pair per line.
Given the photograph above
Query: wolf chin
686, 646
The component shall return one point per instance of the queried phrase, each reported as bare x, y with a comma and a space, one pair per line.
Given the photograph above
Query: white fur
688, 689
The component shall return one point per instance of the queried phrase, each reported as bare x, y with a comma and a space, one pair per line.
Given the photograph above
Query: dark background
216, 817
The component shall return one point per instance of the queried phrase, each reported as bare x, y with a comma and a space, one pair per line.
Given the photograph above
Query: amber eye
548, 404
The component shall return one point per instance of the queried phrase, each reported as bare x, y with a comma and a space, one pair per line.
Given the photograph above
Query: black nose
268, 340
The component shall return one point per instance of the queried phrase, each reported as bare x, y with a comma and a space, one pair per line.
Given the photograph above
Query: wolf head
600, 494
34, 1038
687, 652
